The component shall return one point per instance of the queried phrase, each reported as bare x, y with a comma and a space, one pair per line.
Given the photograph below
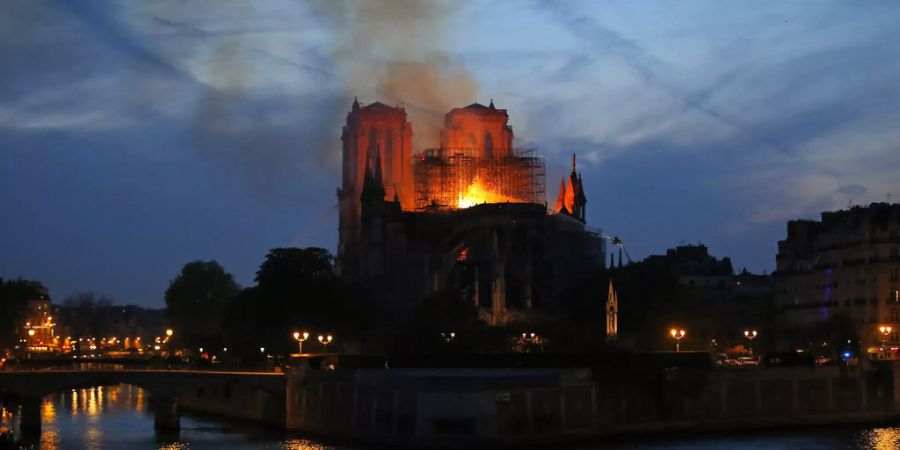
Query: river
117, 418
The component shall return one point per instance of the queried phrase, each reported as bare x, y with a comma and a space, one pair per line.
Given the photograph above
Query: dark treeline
295, 289
14, 296
79, 315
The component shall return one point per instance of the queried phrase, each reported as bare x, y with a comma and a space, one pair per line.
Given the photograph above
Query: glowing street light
678, 335
169, 333
300, 337
885, 331
448, 336
325, 340
31, 332
750, 334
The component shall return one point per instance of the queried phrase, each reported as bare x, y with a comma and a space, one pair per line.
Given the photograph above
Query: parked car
719, 359
747, 361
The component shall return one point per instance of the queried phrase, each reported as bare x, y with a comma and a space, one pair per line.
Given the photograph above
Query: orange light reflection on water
302, 444
880, 439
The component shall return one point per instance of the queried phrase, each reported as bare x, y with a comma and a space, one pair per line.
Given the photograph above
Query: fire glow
477, 194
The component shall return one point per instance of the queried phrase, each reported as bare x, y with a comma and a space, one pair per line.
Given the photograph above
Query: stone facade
846, 263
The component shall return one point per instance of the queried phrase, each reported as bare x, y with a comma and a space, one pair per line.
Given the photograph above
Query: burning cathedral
468, 217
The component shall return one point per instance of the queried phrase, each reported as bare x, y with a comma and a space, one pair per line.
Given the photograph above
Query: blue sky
137, 136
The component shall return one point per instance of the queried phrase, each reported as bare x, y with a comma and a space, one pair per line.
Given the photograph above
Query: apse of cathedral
467, 217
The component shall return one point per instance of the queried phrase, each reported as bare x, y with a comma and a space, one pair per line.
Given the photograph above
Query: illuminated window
895, 296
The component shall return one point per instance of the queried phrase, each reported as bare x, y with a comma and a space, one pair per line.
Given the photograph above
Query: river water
117, 418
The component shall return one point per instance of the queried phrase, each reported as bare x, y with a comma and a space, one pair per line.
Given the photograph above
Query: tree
296, 289
295, 267
196, 301
14, 296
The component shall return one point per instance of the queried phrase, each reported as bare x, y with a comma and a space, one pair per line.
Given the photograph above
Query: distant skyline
138, 136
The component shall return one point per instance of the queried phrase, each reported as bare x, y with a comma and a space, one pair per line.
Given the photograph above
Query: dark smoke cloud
268, 141
391, 50
387, 50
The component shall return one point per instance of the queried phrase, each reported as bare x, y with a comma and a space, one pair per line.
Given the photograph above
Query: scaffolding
443, 176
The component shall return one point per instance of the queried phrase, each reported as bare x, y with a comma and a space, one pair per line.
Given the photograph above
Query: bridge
257, 396
412, 404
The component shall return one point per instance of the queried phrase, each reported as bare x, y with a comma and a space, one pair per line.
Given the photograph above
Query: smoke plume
391, 50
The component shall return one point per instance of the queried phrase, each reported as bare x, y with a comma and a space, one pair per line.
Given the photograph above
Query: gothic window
473, 141
388, 155
894, 315
488, 145
373, 145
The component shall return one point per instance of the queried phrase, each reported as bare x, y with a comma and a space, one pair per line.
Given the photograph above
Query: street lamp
750, 334
677, 334
325, 340
885, 331
169, 333
448, 336
300, 337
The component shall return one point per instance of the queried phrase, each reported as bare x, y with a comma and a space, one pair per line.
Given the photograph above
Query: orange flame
477, 194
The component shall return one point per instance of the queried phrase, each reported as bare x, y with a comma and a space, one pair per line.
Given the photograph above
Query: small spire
561, 200
492, 104
573, 163
355, 103
378, 177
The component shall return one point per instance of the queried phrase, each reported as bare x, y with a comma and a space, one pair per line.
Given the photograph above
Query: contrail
646, 67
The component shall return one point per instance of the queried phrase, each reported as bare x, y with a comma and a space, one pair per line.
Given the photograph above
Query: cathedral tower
374, 135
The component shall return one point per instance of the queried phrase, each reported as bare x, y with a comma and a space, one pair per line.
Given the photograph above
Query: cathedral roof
476, 106
378, 105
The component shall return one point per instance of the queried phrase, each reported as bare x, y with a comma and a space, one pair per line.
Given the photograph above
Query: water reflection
880, 439
117, 418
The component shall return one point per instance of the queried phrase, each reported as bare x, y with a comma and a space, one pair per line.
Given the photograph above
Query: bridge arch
243, 395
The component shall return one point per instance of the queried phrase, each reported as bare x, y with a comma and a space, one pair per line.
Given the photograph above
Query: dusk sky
138, 136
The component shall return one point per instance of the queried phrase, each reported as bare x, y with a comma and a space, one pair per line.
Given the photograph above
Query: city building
468, 217
695, 267
38, 333
730, 302
845, 264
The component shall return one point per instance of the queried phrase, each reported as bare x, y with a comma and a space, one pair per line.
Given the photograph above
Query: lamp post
750, 334
885, 331
448, 336
300, 337
677, 334
325, 340
169, 333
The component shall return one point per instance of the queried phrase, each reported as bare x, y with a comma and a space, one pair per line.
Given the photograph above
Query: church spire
373, 184
561, 200
378, 176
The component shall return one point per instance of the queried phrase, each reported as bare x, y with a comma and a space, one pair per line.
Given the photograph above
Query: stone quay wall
528, 406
